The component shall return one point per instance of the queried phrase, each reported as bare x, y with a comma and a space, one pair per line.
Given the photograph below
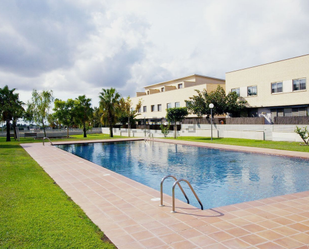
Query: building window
147, 92
299, 84
162, 89
276, 87
177, 104
299, 111
144, 108
252, 90
140, 110
153, 108
236, 90
168, 105
180, 86
159, 107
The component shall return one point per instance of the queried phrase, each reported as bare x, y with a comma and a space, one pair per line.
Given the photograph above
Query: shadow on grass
209, 139
9, 146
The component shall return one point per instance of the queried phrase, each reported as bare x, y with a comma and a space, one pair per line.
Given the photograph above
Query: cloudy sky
77, 47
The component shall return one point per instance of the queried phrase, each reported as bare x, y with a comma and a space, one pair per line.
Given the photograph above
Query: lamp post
145, 125
129, 126
211, 106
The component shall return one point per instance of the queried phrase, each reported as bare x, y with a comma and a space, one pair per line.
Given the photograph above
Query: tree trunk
68, 135
129, 127
44, 128
111, 131
8, 130
14, 129
85, 133
175, 130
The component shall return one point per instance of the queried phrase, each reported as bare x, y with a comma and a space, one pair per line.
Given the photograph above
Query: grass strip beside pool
278, 145
35, 212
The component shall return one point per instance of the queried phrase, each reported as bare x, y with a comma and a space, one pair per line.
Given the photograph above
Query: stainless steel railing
177, 182
173, 191
161, 189
48, 140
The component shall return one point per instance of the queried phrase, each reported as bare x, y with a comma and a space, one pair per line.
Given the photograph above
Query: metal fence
292, 120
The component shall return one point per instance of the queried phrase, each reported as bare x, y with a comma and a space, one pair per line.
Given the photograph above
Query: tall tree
199, 104
235, 104
10, 108
124, 110
218, 98
53, 121
39, 107
19, 112
96, 118
109, 106
175, 115
83, 112
127, 112
64, 112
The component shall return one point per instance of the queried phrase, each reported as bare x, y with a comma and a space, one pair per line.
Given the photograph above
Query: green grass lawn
292, 146
90, 137
35, 212
72, 138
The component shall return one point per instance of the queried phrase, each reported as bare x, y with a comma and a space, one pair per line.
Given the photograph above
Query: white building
274, 89
158, 97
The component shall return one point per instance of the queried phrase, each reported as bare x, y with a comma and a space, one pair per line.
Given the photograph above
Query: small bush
165, 129
303, 133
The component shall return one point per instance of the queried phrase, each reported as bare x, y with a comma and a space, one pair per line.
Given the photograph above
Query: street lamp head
211, 105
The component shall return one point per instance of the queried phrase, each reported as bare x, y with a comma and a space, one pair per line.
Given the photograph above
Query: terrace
129, 213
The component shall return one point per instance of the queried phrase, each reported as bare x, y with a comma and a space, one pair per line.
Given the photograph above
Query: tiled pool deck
129, 213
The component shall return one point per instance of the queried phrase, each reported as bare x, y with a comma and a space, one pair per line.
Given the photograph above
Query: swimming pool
219, 177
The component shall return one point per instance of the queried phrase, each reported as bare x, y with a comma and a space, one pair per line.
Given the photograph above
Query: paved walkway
129, 213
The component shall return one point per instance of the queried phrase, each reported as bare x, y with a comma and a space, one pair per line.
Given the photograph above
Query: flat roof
268, 63
198, 75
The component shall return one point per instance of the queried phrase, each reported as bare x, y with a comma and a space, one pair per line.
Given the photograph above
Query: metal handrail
48, 140
145, 138
173, 190
148, 137
161, 189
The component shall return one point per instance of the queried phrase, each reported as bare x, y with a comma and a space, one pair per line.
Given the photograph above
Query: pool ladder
148, 137
177, 182
48, 140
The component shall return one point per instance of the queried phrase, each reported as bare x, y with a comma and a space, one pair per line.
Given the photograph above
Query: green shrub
303, 133
165, 129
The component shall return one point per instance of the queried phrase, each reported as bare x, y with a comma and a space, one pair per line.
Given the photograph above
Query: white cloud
81, 46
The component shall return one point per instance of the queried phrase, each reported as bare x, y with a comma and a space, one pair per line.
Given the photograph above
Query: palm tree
127, 112
109, 106
96, 118
19, 112
10, 108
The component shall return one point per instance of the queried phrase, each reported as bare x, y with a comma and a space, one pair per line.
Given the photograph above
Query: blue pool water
219, 177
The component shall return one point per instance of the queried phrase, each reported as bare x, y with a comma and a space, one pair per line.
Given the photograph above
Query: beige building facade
158, 97
274, 89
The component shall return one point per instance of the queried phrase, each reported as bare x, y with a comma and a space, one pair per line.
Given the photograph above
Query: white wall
257, 132
263, 76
